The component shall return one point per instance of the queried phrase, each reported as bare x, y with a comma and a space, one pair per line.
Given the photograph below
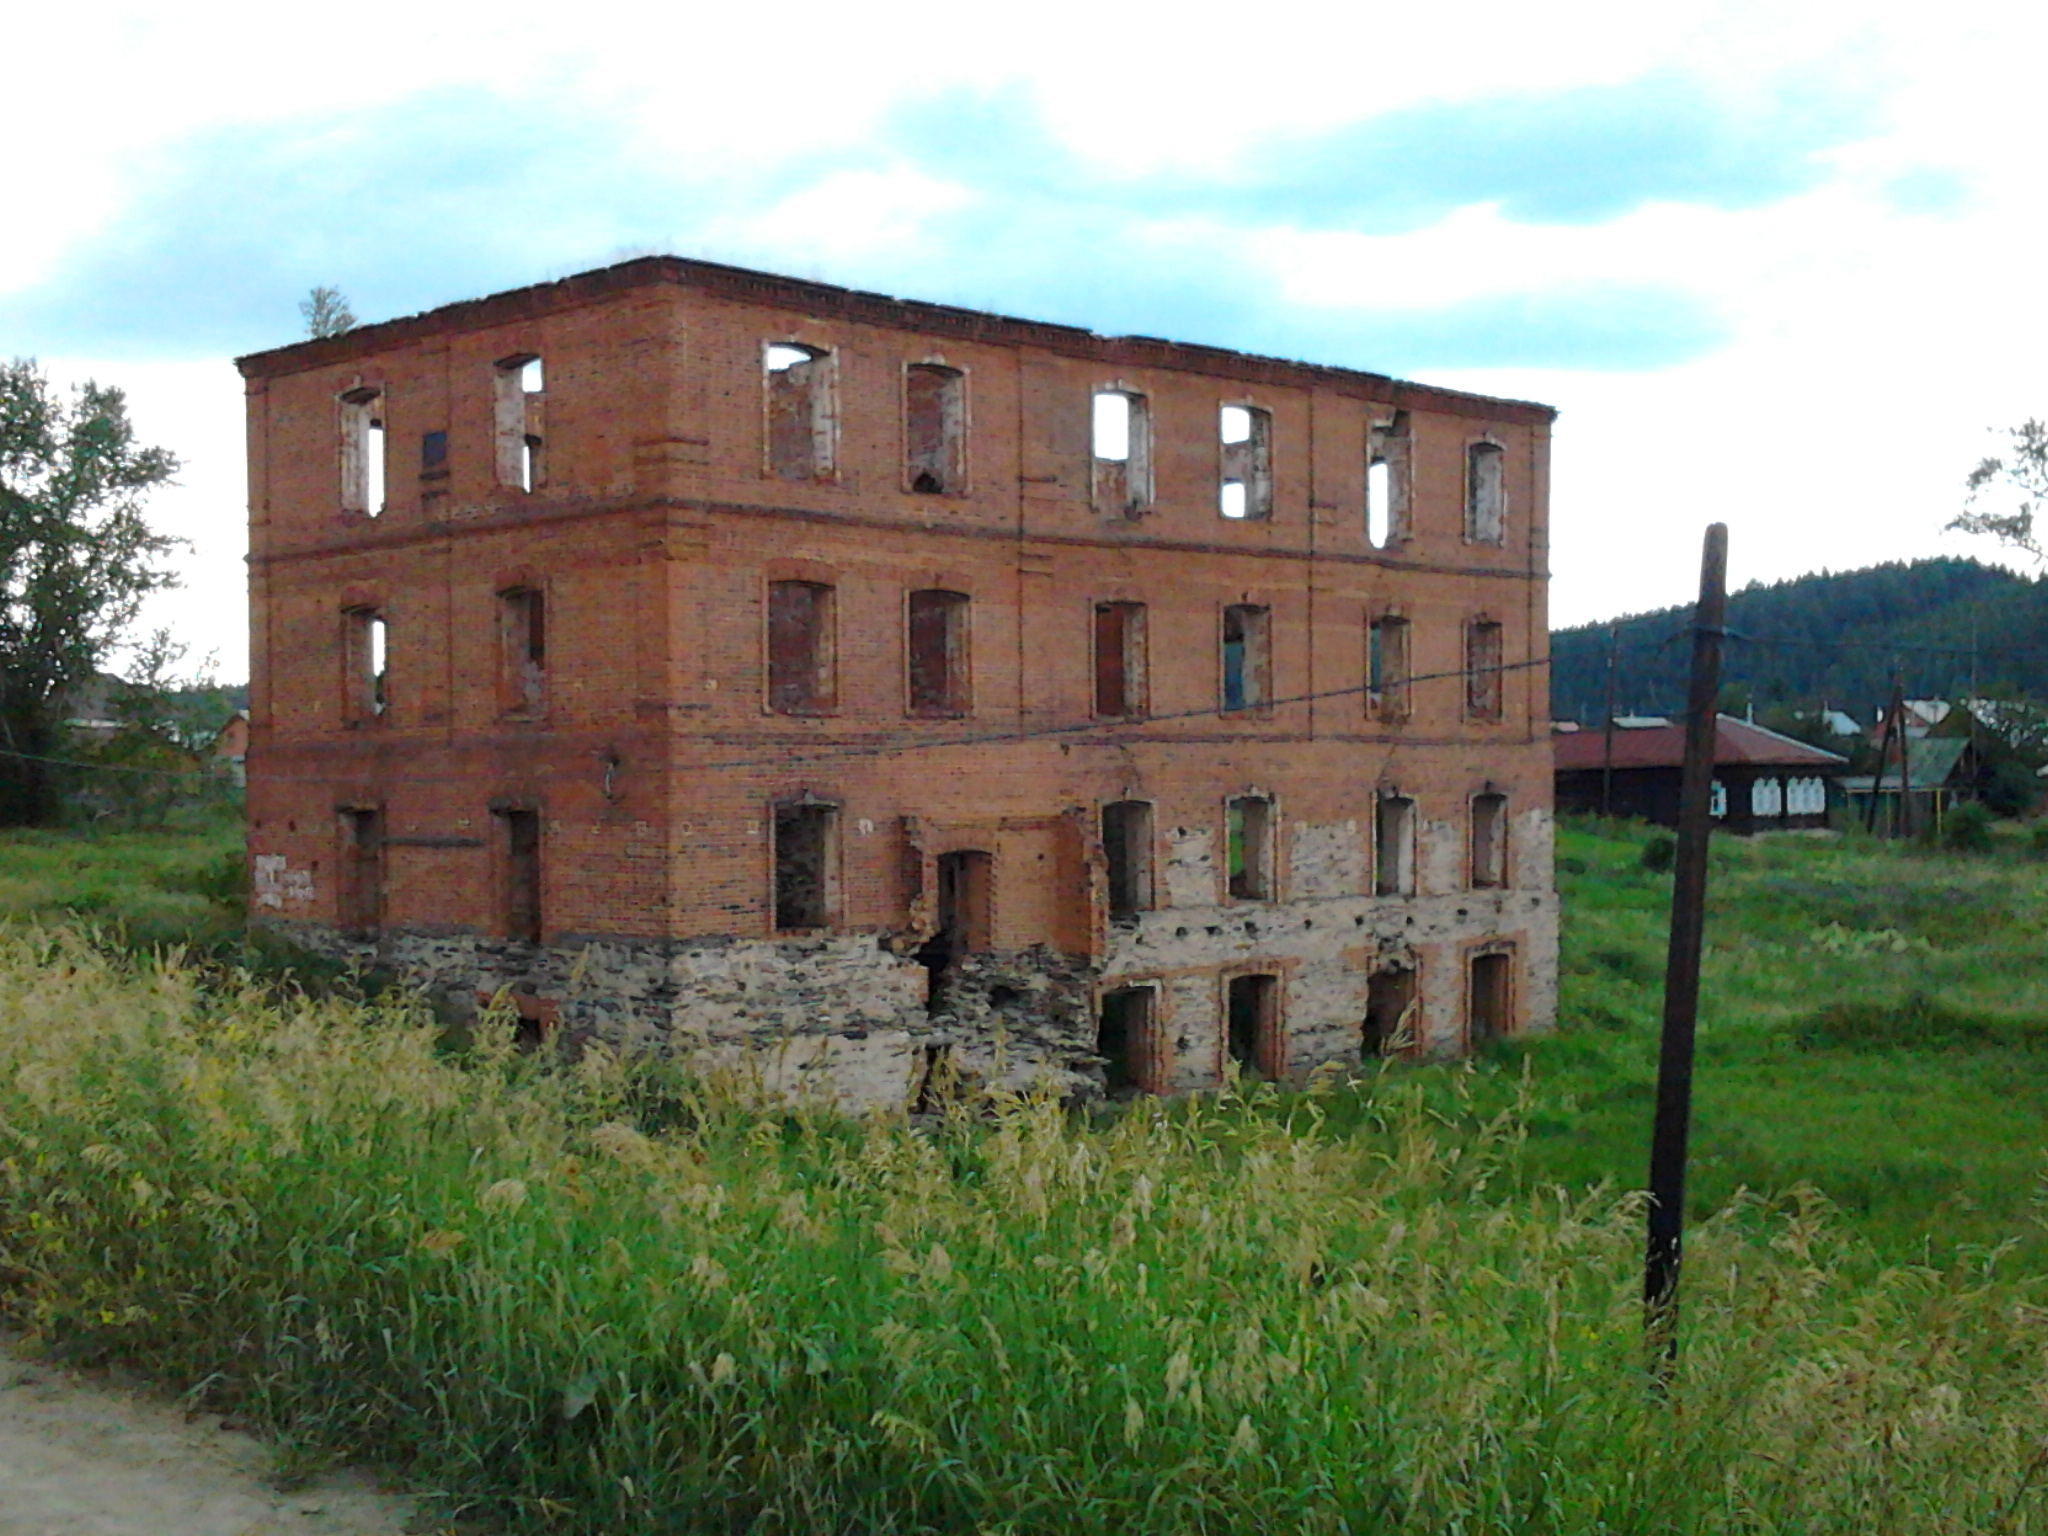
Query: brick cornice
824, 300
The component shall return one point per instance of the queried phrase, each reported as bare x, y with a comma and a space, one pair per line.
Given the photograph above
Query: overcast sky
1777, 264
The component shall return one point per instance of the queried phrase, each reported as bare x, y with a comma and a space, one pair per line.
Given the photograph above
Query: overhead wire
895, 745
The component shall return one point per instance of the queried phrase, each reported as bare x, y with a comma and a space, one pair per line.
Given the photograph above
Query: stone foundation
845, 1018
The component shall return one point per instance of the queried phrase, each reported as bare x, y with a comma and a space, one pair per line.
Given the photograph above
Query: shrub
1660, 852
221, 877
2013, 789
1967, 828
1916, 1022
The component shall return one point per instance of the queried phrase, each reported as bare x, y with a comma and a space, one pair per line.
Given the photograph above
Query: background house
1940, 770
1762, 781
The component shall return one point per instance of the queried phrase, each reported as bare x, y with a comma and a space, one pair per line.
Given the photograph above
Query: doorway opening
1253, 1009
1123, 1039
1392, 1020
963, 917
1489, 999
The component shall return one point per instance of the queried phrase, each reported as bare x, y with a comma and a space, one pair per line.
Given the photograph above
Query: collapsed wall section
859, 1020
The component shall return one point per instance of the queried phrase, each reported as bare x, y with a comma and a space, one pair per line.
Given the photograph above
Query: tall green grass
1871, 1021
601, 1298
182, 886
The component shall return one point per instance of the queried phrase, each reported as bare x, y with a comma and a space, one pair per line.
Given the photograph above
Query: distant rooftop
1736, 742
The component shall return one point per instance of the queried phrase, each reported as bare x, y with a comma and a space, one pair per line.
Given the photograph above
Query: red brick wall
659, 530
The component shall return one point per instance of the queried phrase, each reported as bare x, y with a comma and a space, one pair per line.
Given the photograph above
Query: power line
895, 746
73, 762
1809, 644
877, 749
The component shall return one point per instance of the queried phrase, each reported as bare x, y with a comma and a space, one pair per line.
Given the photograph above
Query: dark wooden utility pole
1682, 965
1607, 726
1884, 747
1902, 824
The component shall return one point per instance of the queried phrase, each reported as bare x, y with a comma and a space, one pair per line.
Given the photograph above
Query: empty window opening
938, 653
520, 895
800, 669
521, 422
1253, 1005
1489, 999
523, 634
803, 866
935, 428
1393, 1024
1123, 453
1248, 827
373, 467
365, 691
1127, 846
362, 452
1126, 1038
433, 452
362, 871
964, 911
1112, 426
1386, 481
1489, 840
1245, 435
1482, 670
1485, 493
1394, 850
1119, 660
1246, 666
1386, 668
799, 383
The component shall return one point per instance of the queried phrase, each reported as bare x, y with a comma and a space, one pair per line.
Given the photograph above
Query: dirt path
81, 1457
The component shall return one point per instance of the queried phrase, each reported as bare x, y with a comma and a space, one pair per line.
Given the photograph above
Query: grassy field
181, 886
1874, 1023
603, 1298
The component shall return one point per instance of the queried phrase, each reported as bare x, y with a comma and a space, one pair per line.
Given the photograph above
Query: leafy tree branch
2018, 478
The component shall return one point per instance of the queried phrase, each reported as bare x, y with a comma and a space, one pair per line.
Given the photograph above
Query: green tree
2020, 477
161, 759
76, 560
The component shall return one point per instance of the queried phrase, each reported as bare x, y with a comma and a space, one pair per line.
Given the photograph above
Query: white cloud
1869, 346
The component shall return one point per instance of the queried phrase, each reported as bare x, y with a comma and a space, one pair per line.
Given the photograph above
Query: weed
1228, 1314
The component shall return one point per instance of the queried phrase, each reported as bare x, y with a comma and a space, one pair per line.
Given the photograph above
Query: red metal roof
1663, 746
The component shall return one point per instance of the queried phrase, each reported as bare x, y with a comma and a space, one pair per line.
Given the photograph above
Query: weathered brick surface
656, 762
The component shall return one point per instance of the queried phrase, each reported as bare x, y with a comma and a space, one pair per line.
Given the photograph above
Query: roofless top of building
826, 300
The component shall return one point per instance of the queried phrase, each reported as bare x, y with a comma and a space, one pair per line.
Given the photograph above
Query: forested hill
1832, 638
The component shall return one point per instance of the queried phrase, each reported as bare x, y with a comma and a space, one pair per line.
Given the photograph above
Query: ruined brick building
762, 669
